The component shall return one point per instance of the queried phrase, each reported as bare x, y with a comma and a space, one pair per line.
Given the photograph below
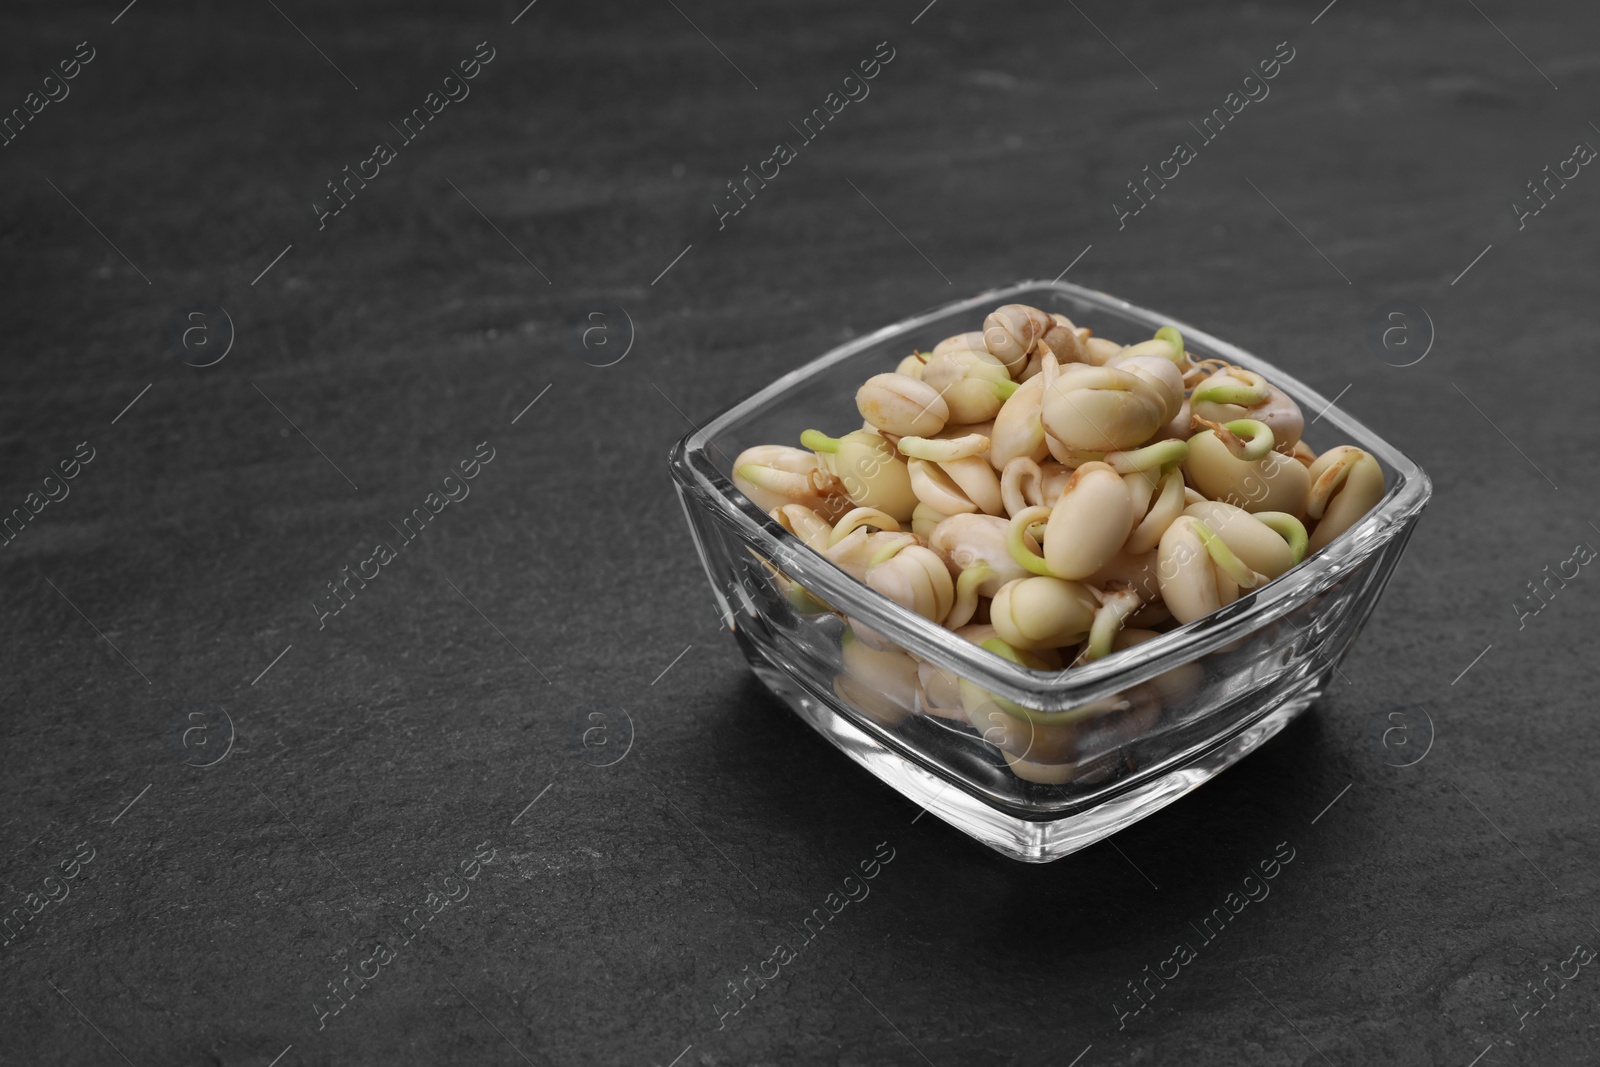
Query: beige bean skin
1098, 351
967, 380
1017, 429
978, 481
1137, 571
855, 552
1275, 482
1151, 520
970, 341
857, 518
946, 447
1102, 409
870, 471
1179, 427
1089, 523
965, 540
940, 692
911, 366
937, 490
1010, 331
1054, 481
1040, 612
915, 578
1039, 659
1162, 375
883, 684
775, 475
1158, 347
1156, 614
805, 524
902, 406
1064, 339
1361, 487
1257, 545
1192, 584
924, 520
949, 367
1021, 485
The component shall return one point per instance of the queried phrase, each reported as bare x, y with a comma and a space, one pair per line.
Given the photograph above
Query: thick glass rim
697, 474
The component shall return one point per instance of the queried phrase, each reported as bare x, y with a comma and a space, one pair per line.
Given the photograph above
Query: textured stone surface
377, 754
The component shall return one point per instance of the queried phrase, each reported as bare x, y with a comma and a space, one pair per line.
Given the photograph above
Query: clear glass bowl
1100, 746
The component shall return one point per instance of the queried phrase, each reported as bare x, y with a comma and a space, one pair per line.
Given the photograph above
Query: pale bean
854, 553
1098, 351
1347, 483
858, 517
1010, 331
775, 475
944, 449
1021, 485
1272, 483
868, 468
1040, 612
902, 406
1017, 427
882, 684
1089, 524
970, 341
1198, 573
1101, 409
1232, 393
964, 541
1152, 522
1064, 339
911, 366
924, 520
1255, 543
978, 481
935, 488
805, 524
915, 578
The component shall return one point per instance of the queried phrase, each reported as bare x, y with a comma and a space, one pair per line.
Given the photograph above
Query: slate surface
440, 715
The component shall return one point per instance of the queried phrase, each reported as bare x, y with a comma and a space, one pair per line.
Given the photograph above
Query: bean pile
1055, 496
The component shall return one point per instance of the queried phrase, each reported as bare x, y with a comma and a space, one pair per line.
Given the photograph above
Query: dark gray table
224, 797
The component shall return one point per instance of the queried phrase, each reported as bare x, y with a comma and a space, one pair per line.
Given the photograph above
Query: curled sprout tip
1171, 335
1253, 394
1289, 528
1020, 552
1247, 439
1109, 620
966, 603
818, 441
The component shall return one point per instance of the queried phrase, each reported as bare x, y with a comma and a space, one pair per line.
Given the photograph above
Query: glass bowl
1067, 757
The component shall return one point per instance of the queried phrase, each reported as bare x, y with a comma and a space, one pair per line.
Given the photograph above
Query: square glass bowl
1067, 757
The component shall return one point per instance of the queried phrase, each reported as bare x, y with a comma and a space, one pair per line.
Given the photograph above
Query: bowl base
1031, 840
